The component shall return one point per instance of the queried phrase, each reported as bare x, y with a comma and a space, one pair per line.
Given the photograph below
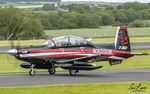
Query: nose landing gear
32, 72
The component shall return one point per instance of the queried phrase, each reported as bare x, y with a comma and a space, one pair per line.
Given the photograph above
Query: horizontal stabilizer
132, 53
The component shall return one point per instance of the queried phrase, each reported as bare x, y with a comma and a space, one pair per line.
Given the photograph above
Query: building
102, 4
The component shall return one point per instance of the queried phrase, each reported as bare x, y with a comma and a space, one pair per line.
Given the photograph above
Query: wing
75, 59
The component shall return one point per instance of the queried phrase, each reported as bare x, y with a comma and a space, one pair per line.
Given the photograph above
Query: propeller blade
6, 62
12, 44
4, 52
19, 46
8, 59
16, 64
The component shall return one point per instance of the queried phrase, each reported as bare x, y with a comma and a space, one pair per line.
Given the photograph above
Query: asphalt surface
42, 78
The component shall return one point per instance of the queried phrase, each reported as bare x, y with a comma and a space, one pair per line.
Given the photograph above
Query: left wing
75, 59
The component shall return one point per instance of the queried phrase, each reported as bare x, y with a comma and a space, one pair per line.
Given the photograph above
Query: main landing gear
52, 69
32, 72
73, 72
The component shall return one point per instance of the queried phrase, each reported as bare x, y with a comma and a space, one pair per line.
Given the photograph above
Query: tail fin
122, 41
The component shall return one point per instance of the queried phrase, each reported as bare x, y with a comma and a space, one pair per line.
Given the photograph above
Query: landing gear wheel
52, 71
31, 72
73, 72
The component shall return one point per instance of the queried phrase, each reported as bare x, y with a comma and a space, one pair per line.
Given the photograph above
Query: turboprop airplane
73, 53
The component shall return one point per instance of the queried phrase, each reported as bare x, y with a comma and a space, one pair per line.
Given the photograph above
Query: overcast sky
142, 1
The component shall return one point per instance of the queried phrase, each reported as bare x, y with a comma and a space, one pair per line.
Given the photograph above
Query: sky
142, 1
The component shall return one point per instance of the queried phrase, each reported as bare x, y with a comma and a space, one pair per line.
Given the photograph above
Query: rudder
122, 41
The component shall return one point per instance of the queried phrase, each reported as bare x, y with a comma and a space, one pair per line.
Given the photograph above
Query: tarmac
43, 78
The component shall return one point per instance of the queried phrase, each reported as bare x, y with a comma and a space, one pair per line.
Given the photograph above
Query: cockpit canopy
65, 41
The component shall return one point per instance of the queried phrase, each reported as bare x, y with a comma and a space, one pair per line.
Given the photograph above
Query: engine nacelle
114, 62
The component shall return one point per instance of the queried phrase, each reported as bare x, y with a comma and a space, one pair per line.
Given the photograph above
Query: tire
52, 71
73, 72
31, 72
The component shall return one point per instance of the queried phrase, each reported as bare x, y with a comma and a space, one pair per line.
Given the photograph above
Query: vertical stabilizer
122, 41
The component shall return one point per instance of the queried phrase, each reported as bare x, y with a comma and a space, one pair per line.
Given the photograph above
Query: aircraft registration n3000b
73, 53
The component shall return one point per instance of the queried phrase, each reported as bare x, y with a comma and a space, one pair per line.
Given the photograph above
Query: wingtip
145, 53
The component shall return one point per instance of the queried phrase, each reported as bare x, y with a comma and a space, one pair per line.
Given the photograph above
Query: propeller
11, 51
14, 49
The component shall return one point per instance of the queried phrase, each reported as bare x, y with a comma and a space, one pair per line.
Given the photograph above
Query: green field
94, 40
23, 42
105, 34
9, 64
104, 31
88, 88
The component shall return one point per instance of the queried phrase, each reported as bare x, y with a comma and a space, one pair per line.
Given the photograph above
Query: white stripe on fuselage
52, 53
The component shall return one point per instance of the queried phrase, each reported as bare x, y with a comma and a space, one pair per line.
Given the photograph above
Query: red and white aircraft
73, 53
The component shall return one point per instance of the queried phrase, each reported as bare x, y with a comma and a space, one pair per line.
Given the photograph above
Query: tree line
16, 23
84, 16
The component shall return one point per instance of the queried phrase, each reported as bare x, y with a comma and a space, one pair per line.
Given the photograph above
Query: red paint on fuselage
75, 53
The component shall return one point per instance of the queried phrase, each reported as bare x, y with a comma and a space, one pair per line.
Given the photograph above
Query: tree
10, 20
120, 16
109, 8
31, 28
108, 19
133, 5
87, 21
48, 7
79, 8
14, 21
145, 14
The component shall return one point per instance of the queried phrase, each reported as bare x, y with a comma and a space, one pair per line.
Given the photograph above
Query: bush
116, 24
139, 23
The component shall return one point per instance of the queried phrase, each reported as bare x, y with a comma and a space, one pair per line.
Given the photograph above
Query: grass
94, 40
9, 64
112, 40
105, 34
104, 31
23, 42
88, 88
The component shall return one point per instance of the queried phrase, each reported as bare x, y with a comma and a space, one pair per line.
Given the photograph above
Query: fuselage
51, 55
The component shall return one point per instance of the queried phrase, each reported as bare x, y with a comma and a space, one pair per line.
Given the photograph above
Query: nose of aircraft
12, 51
